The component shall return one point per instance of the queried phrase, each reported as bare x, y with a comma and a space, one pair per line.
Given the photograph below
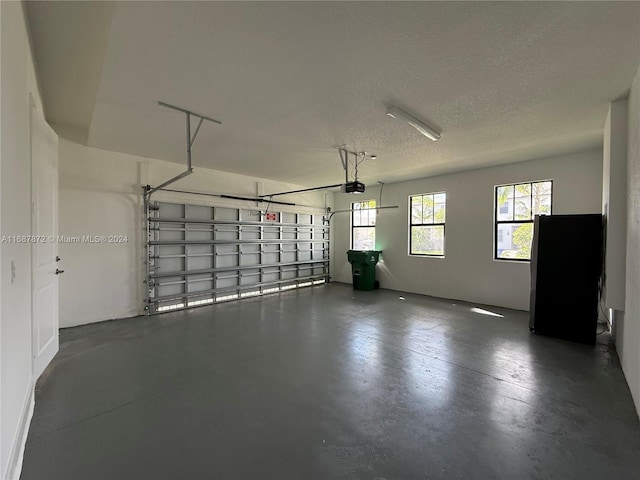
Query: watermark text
64, 239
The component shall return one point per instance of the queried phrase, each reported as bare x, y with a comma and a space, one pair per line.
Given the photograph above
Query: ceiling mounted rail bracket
190, 141
344, 158
354, 186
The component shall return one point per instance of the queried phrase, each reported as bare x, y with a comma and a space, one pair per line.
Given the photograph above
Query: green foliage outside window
428, 212
516, 206
363, 225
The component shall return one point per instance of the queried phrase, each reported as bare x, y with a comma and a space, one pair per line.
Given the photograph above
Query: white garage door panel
197, 255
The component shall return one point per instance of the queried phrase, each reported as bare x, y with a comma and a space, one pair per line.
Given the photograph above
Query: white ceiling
290, 81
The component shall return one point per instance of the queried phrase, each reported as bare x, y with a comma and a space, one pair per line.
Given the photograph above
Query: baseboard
16, 455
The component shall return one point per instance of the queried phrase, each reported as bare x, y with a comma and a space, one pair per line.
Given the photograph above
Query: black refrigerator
566, 264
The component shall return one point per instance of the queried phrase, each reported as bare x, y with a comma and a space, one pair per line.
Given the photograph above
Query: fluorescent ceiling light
422, 127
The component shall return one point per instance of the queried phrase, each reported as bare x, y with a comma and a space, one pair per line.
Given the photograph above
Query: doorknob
58, 271
58, 258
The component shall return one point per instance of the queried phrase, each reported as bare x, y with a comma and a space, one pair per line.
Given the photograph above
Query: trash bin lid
363, 256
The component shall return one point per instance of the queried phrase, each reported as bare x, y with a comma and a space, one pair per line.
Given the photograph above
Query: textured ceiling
290, 81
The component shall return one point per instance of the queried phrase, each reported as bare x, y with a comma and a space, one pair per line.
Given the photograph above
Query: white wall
468, 271
97, 196
614, 203
17, 82
100, 194
626, 327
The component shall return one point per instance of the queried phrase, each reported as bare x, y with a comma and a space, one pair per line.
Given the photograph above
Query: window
427, 224
515, 207
363, 225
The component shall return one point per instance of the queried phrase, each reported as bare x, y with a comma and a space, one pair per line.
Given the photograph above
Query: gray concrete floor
331, 383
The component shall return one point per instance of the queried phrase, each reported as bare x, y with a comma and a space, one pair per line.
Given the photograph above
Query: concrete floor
328, 383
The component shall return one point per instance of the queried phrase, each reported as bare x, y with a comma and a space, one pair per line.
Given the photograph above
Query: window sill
512, 260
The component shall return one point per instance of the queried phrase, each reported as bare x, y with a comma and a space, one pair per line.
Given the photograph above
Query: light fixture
422, 127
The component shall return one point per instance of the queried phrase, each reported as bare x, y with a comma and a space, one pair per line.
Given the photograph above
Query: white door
44, 247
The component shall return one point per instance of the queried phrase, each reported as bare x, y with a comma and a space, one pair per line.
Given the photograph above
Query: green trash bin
363, 268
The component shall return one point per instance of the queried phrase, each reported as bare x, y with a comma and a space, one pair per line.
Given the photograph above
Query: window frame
497, 223
354, 227
432, 224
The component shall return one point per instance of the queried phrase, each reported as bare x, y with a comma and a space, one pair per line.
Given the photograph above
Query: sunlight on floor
486, 312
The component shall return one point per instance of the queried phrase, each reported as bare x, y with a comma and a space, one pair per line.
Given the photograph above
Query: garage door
197, 255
